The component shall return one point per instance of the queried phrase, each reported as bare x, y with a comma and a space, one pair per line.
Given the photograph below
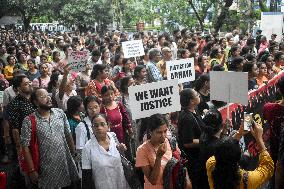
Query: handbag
129, 170
34, 149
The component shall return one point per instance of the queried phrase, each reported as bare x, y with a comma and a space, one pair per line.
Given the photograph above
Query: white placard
151, 98
133, 48
272, 23
229, 87
183, 70
1, 97
78, 60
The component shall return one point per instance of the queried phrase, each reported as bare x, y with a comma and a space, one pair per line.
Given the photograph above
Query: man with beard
56, 147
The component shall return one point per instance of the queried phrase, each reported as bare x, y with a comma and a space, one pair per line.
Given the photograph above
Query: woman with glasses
101, 161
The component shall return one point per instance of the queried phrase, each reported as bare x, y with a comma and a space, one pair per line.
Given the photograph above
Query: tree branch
197, 15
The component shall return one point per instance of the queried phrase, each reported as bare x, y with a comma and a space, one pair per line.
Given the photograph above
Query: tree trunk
221, 18
197, 15
26, 21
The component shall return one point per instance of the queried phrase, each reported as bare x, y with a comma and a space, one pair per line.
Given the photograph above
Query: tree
86, 13
200, 9
221, 17
28, 9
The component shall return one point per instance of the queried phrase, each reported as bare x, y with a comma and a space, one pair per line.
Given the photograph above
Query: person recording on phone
223, 169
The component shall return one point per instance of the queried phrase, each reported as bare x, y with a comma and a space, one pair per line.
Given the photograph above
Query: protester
56, 147
98, 80
189, 130
235, 51
43, 80
153, 155
274, 114
101, 161
116, 114
223, 168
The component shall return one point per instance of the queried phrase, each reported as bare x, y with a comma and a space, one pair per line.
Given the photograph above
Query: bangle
263, 150
32, 170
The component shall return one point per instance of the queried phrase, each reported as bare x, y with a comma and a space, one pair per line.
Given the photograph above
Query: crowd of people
82, 124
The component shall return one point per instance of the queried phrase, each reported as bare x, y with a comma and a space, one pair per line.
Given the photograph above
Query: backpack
174, 176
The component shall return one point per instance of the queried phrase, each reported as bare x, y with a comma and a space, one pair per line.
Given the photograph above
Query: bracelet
263, 150
32, 170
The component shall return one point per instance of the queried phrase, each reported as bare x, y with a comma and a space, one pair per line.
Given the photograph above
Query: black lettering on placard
154, 104
181, 66
181, 74
161, 92
141, 95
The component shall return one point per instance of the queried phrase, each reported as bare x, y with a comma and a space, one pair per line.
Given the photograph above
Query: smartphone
248, 121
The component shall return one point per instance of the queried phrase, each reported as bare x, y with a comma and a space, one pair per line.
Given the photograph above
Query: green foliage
86, 12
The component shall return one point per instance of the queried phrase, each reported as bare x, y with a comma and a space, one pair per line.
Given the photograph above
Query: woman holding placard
190, 126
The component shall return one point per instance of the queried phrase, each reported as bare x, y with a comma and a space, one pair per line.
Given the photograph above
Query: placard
183, 70
78, 60
1, 97
229, 87
133, 48
151, 98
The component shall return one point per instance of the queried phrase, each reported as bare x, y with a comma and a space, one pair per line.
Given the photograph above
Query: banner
151, 98
133, 48
257, 99
229, 87
78, 60
183, 70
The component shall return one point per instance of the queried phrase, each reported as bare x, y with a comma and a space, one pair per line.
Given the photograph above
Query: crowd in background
84, 123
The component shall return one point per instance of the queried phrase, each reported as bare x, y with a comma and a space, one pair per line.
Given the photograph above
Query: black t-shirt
207, 149
203, 103
189, 128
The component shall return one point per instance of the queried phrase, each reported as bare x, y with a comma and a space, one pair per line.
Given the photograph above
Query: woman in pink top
153, 155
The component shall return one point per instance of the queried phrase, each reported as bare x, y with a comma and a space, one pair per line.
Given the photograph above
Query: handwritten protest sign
78, 60
229, 87
183, 70
1, 97
133, 48
151, 98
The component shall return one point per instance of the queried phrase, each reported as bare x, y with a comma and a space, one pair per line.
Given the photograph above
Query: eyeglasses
45, 96
96, 125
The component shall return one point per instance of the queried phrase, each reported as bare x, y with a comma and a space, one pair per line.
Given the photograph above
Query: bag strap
245, 179
87, 129
33, 122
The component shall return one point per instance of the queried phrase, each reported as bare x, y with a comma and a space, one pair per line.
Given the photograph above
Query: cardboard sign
1, 97
229, 87
151, 98
183, 70
78, 60
133, 48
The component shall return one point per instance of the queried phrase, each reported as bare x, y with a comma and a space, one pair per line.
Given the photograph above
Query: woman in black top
208, 140
202, 86
189, 130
